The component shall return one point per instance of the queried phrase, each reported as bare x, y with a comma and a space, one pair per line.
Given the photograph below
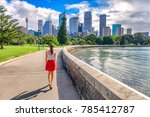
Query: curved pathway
25, 78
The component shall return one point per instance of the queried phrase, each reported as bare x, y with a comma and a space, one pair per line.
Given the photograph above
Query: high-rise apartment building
102, 24
88, 21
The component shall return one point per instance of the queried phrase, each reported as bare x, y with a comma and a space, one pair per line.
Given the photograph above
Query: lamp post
38, 40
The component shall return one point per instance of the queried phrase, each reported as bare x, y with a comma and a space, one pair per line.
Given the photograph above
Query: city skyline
130, 14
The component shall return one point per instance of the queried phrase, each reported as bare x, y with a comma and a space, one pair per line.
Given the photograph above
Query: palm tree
9, 28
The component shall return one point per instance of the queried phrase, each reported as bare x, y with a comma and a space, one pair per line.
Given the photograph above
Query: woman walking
50, 61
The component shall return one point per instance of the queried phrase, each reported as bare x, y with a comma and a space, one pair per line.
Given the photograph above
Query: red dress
50, 64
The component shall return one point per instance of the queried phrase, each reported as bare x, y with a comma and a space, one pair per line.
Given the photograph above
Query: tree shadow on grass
29, 95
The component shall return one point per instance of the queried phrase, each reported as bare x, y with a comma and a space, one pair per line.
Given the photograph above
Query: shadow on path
29, 95
66, 88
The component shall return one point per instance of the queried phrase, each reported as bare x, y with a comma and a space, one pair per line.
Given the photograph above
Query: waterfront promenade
26, 79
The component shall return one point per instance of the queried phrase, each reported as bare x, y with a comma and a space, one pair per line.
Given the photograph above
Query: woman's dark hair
51, 49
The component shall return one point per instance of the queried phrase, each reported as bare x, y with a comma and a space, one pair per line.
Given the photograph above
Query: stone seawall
93, 84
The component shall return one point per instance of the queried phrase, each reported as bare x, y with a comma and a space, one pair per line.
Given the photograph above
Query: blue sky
129, 13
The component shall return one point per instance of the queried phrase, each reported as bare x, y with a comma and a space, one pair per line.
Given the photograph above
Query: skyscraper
54, 30
129, 31
80, 28
74, 23
102, 23
60, 18
40, 26
47, 28
116, 29
88, 21
106, 31
122, 31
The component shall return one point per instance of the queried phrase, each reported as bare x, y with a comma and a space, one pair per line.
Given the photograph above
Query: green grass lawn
10, 52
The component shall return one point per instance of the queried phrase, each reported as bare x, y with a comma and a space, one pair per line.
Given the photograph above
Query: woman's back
51, 57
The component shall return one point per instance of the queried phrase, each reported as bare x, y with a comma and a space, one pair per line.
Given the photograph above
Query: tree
139, 38
99, 40
129, 39
62, 33
122, 41
9, 28
49, 39
108, 40
91, 39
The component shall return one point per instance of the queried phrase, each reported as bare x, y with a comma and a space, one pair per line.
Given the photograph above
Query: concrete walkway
25, 78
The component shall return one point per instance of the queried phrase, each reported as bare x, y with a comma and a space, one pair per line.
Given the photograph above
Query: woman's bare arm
55, 57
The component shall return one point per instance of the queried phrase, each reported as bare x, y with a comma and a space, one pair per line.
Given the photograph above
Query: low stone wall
93, 84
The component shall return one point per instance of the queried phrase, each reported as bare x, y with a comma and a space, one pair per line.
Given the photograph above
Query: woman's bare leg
52, 77
49, 75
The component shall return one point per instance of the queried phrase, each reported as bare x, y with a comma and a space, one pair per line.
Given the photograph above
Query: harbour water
130, 65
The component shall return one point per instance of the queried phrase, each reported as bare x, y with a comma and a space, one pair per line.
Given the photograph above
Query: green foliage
91, 39
108, 40
49, 39
147, 41
9, 28
30, 39
62, 33
129, 38
139, 38
99, 40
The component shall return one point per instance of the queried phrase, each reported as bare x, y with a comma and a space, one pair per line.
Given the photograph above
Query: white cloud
21, 9
130, 13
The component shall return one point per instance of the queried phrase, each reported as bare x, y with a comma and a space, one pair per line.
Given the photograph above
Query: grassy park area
10, 52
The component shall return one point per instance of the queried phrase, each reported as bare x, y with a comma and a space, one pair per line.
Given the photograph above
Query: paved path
25, 78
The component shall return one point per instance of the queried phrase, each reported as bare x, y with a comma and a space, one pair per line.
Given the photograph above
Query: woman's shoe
50, 87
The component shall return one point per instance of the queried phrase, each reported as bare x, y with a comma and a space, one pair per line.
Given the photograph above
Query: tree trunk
1, 46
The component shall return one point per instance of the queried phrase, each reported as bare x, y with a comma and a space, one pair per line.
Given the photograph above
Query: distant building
96, 33
40, 26
23, 29
47, 28
129, 31
122, 31
37, 33
102, 24
106, 31
118, 32
74, 24
60, 18
93, 29
31, 32
116, 29
80, 27
54, 30
86, 33
88, 21
145, 34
